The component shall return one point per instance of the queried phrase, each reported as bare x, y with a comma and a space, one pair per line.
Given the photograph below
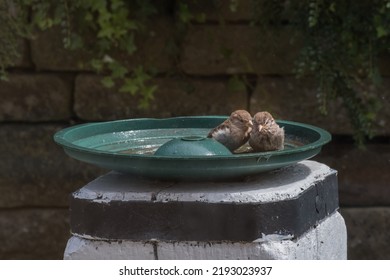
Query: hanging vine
342, 42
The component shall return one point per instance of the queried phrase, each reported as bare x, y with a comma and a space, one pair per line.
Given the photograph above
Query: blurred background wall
49, 89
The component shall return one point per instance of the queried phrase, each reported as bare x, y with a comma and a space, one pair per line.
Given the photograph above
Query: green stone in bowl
192, 146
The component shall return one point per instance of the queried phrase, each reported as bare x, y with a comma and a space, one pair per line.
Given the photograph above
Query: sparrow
233, 132
266, 134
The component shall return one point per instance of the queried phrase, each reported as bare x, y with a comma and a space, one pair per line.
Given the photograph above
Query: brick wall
50, 89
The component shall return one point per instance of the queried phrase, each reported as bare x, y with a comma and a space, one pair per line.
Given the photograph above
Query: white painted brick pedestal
290, 213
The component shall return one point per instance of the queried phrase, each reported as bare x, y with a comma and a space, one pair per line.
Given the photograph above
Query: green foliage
342, 41
13, 26
233, 5
138, 82
185, 15
100, 27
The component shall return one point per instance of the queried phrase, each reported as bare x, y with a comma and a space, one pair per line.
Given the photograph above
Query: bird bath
130, 146
218, 217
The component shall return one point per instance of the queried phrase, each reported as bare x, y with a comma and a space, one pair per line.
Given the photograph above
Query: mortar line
155, 251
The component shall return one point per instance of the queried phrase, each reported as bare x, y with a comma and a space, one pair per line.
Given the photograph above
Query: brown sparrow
266, 134
233, 132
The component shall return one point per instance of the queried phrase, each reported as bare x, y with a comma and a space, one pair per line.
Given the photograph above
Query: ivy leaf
184, 13
332, 7
233, 5
3, 76
106, 32
88, 17
381, 31
149, 91
108, 82
227, 53
118, 71
97, 64
116, 5
129, 86
236, 83
75, 42
132, 25
200, 17
129, 45
147, 96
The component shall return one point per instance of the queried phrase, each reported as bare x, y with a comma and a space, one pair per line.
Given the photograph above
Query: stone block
231, 49
34, 171
33, 233
79, 248
363, 173
14, 17
368, 232
384, 62
290, 213
35, 97
153, 46
327, 241
24, 61
48, 52
173, 98
294, 99
285, 202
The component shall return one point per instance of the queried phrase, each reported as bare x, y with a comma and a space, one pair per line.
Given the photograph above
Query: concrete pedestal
290, 213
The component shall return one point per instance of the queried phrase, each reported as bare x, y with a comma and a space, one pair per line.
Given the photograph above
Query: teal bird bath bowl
177, 148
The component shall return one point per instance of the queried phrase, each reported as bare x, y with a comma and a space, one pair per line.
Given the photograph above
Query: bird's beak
260, 127
250, 122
